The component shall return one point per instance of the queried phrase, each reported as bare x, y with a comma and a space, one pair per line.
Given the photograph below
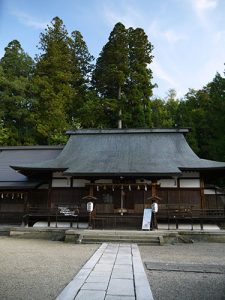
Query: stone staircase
117, 237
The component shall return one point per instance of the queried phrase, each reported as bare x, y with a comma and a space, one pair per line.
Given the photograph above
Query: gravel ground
171, 285
38, 269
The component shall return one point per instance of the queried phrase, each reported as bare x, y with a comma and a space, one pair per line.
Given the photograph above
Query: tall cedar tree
82, 59
16, 62
172, 105
216, 117
111, 72
122, 75
82, 66
190, 113
53, 83
17, 119
203, 110
138, 84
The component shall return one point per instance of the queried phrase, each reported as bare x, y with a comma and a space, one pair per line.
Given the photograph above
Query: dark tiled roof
139, 152
22, 155
17, 185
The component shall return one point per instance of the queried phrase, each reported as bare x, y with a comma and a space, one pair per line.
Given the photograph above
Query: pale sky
188, 35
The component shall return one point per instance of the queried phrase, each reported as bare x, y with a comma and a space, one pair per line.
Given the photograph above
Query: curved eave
33, 172
209, 173
122, 174
204, 169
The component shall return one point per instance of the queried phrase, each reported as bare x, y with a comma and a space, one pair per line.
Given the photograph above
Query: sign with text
147, 216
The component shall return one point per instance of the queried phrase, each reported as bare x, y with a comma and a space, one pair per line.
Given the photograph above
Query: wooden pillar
49, 203
144, 199
202, 195
91, 191
25, 203
217, 207
154, 188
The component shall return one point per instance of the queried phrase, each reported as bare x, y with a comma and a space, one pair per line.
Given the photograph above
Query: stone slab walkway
114, 272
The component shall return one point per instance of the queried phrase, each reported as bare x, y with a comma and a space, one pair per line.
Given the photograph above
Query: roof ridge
38, 147
127, 131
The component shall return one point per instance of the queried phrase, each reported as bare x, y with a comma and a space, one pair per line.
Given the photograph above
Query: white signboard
147, 216
66, 211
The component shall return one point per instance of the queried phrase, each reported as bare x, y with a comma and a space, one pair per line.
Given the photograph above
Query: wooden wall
180, 198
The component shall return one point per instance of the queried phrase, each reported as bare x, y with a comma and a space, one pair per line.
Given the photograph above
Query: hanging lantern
2, 195
97, 188
138, 187
21, 196
12, 196
113, 188
129, 187
146, 188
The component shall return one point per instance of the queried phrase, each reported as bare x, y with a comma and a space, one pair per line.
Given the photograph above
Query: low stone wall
97, 236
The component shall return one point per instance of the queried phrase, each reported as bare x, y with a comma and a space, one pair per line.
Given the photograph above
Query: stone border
70, 291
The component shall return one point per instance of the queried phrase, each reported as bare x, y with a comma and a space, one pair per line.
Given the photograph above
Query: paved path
114, 272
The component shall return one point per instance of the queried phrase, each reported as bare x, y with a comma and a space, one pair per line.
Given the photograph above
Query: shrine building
119, 170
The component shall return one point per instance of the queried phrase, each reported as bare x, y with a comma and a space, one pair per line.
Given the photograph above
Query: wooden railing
191, 216
10, 217
115, 220
169, 216
57, 214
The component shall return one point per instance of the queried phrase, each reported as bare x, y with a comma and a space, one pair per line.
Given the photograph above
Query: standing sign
147, 216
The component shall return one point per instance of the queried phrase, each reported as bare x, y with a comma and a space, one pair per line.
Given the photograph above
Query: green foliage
16, 68
172, 106
160, 116
16, 62
111, 68
122, 73
216, 113
111, 71
95, 113
5, 135
82, 60
82, 68
138, 87
52, 82
58, 138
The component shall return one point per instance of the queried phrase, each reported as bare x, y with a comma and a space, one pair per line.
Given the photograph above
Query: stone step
121, 239
55, 235
118, 238
144, 243
127, 235
4, 231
